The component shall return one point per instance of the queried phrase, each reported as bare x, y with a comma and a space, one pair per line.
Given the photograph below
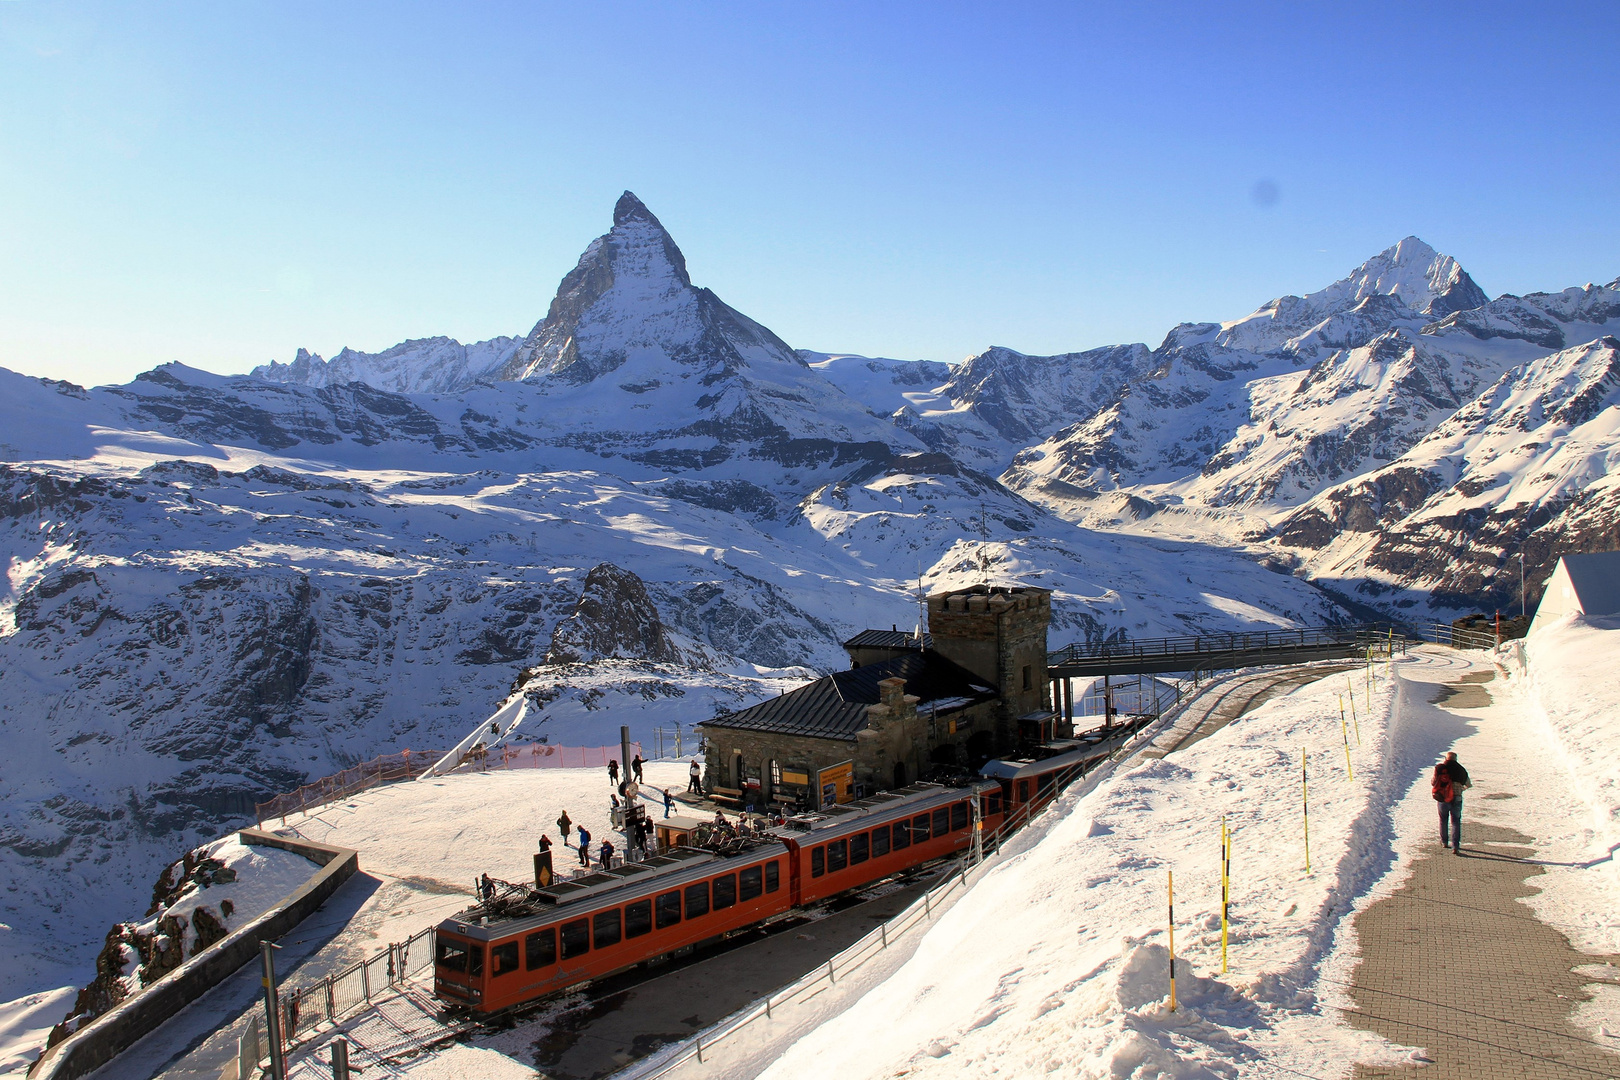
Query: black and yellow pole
1172, 897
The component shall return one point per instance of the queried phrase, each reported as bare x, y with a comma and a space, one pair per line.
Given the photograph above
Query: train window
504, 957
919, 828
902, 835
773, 876
452, 955
1045, 783
725, 891
638, 918
697, 899
880, 841
669, 909
750, 882
1023, 791
576, 938
992, 804
959, 816
540, 949
1006, 792
475, 960
858, 849
818, 862
605, 928
942, 821
837, 856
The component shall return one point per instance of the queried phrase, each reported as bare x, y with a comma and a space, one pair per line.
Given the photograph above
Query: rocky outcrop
615, 618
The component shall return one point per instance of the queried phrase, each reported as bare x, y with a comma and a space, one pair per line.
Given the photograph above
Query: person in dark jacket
584, 846
1449, 782
635, 767
607, 854
564, 823
669, 802
613, 771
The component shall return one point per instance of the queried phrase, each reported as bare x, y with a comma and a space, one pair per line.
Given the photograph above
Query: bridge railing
1195, 646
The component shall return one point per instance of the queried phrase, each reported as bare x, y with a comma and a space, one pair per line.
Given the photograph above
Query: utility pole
1521, 585
272, 1011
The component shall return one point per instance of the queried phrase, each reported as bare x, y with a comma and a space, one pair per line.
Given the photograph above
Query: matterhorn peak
629, 208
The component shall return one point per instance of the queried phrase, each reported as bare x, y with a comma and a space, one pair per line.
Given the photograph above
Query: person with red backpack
1448, 784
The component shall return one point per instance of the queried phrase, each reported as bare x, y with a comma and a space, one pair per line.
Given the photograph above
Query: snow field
1057, 961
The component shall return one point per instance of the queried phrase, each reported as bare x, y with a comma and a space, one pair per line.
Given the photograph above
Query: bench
728, 796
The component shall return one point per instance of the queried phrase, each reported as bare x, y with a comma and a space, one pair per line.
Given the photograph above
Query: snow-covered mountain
221, 586
438, 365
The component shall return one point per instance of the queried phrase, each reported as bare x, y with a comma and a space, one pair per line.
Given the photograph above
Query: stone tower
998, 633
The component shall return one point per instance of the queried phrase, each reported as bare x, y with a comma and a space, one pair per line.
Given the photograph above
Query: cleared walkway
1453, 962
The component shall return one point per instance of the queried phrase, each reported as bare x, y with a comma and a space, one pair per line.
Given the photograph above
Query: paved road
1454, 963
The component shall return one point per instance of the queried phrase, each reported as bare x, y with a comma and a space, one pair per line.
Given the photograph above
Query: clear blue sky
222, 183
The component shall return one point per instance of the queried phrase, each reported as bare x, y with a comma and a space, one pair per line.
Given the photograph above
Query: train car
506, 952
530, 943
1028, 784
853, 844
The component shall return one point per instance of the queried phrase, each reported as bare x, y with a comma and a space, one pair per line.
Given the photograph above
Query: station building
973, 687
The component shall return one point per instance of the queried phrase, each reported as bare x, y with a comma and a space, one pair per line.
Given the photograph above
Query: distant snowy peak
436, 365
630, 298
1414, 279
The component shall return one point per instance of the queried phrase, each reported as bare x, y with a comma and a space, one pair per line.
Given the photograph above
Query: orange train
513, 950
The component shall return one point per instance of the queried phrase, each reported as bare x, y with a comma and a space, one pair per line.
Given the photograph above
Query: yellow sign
791, 776
836, 783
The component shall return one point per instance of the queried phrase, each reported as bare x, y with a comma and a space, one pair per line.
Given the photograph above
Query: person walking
669, 802
584, 846
695, 783
1448, 784
613, 771
563, 825
607, 854
635, 767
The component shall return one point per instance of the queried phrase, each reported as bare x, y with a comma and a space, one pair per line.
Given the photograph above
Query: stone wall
114, 1031
999, 634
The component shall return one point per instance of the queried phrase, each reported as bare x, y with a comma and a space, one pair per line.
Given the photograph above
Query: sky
222, 184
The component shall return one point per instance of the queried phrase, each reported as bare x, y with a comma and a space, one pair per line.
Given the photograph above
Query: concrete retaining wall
114, 1031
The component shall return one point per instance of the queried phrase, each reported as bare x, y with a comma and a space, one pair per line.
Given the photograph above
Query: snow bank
1570, 673
1057, 962
25, 1023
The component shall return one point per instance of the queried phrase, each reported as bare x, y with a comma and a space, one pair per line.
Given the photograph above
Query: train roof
853, 814
1062, 753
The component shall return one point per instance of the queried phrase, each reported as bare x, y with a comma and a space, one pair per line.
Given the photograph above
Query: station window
959, 816
919, 828
880, 842
697, 899
837, 856
605, 928
576, 938
818, 862
540, 948
942, 821
858, 849
725, 891
504, 957
452, 955
669, 909
1027, 683
750, 882
902, 835
773, 876
638, 918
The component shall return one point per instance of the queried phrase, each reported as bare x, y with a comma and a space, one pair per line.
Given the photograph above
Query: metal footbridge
1159, 656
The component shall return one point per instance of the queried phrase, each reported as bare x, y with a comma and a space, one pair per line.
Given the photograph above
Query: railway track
1232, 702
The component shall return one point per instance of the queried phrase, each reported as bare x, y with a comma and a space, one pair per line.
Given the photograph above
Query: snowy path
1469, 956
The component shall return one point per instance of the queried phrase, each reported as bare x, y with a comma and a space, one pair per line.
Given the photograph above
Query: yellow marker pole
1353, 715
1226, 886
1305, 804
1171, 879
1349, 772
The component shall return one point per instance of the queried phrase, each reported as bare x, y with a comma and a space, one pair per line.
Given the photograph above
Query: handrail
1249, 640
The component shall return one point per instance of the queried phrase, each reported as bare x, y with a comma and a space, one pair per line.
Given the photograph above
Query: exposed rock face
437, 365
615, 618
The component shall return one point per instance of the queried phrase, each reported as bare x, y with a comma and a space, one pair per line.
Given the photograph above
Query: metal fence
387, 769
337, 995
409, 764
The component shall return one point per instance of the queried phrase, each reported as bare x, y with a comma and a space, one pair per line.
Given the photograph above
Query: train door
737, 769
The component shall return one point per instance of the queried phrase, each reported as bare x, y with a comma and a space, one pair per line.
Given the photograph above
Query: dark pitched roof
834, 706
888, 639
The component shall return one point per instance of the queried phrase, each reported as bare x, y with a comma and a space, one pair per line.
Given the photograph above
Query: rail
331, 999
1194, 647
410, 764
